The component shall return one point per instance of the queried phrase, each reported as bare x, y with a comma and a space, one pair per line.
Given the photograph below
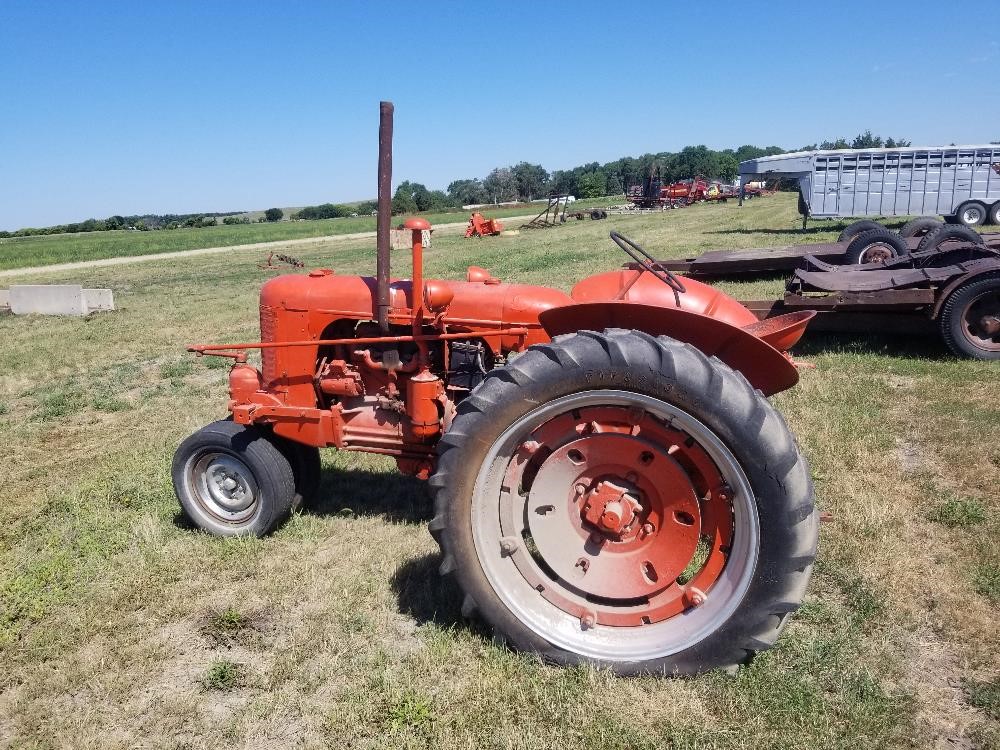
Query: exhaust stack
384, 214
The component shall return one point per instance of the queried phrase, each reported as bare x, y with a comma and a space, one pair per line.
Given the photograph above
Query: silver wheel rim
492, 502
972, 216
223, 486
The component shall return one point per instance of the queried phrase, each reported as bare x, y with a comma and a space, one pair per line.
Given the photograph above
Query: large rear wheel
627, 501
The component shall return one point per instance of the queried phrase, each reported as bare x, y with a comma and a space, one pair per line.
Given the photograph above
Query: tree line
522, 182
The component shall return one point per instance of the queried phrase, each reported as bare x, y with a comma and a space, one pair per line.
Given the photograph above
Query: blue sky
184, 107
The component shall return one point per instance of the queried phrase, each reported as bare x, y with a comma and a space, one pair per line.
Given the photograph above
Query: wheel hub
224, 486
878, 254
612, 511
612, 507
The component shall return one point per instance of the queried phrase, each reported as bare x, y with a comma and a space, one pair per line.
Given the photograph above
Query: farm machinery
610, 483
929, 278
480, 226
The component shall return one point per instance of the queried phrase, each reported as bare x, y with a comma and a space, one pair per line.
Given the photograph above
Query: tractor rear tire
934, 239
232, 480
876, 245
605, 394
920, 227
970, 319
853, 230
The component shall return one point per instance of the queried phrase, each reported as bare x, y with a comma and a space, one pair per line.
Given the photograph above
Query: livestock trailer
961, 183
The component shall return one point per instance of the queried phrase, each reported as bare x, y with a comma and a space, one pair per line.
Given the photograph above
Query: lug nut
648, 528
531, 446
694, 597
587, 620
508, 546
581, 488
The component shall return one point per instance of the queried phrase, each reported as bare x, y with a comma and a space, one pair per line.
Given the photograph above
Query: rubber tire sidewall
857, 247
705, 388
853, 230
920, 226
948, 233
271, 471
952, 319
971, 204
994, 213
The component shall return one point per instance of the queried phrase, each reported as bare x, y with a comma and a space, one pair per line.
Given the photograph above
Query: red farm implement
480, 226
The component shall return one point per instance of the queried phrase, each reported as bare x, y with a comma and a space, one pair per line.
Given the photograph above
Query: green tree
274, 214
466, 192
501, 185
592, 184
532, 180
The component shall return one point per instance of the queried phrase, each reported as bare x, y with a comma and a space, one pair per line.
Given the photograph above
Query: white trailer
961, 183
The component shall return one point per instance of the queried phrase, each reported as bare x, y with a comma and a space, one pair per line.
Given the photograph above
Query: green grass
22, 252
121, 626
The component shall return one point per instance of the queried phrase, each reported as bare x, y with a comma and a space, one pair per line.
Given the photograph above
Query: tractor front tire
645, 449
232, 480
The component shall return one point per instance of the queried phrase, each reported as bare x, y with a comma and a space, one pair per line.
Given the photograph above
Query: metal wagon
961, 183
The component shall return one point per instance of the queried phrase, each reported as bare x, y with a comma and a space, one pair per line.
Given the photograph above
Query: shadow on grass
395, 497
814, 229
431, 598
922, 347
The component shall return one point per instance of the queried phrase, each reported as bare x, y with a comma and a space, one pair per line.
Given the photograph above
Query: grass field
21, 252
120, 627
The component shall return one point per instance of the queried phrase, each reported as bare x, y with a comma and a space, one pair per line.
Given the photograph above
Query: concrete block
98, 300
47, 299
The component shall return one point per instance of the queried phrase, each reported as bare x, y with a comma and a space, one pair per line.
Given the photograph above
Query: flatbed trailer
777, 258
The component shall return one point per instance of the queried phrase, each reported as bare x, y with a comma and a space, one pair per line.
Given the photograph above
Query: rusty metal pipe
384, 215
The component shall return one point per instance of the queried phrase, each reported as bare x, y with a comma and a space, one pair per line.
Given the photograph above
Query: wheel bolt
508, 546
694, 597
587, 620
648, 528
531, 446
581, 488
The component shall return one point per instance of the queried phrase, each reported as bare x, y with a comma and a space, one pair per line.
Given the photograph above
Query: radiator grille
268, 356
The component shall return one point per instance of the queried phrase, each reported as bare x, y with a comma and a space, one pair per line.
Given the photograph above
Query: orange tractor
610, 483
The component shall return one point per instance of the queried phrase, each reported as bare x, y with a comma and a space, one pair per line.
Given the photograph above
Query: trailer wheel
624, 500
934, 239
970, 319
875, 246
995, 213
971, 214
232, 480
853, 230
920, 227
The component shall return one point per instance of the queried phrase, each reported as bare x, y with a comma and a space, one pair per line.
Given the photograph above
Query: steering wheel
647, 263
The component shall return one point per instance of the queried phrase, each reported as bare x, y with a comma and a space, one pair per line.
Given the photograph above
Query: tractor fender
767, 369
990, 267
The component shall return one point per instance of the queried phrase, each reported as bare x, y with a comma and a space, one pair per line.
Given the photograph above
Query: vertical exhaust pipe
384, 214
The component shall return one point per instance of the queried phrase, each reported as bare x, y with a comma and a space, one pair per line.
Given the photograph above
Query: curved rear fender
765, 367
